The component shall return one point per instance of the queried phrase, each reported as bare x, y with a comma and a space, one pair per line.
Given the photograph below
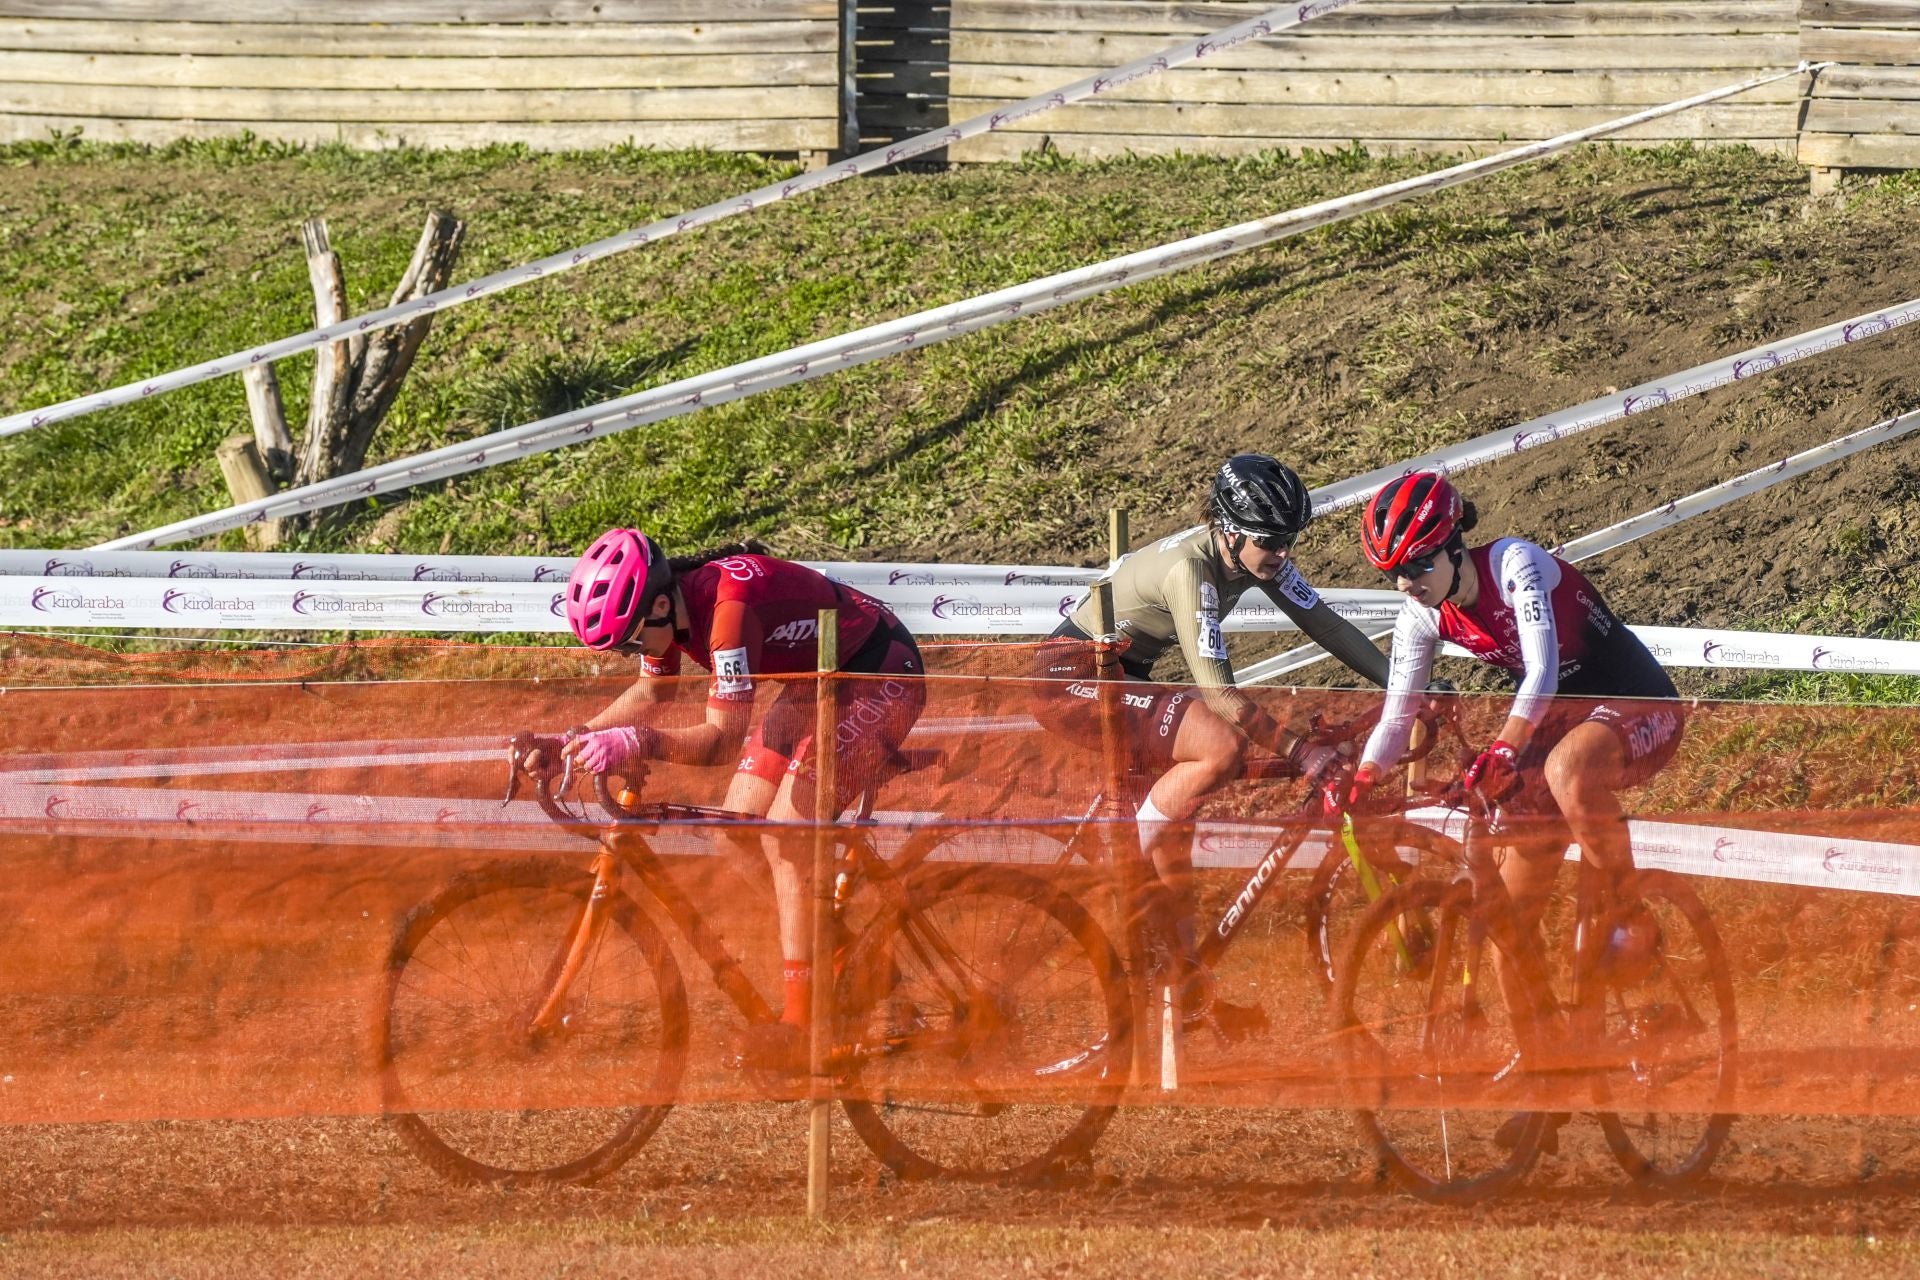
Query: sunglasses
1273, 541
1419, 568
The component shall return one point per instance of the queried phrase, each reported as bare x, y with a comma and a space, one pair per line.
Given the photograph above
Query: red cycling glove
1341, 794
1494, 770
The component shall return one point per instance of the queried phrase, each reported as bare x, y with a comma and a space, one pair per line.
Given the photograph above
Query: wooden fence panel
1865, 114
1390, 74
760, 75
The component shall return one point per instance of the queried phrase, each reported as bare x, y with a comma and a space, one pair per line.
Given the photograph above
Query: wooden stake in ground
355, 379
825, 811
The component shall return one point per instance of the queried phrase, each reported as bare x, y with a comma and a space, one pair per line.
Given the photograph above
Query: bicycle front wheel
1666, 1034
471, 1086
1395, 851
1434, 1054
987, 1027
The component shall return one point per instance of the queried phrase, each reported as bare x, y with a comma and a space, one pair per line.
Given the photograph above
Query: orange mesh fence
232, 899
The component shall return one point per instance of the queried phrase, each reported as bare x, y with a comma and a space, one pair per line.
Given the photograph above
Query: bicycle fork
549, 1019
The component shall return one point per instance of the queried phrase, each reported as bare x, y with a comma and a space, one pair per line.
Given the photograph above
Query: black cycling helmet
1259, 497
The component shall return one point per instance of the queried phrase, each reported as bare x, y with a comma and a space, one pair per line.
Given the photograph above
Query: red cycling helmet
1408, 518
613, 586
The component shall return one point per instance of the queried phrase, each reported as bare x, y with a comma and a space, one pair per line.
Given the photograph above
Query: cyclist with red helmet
1518, 607
741, 616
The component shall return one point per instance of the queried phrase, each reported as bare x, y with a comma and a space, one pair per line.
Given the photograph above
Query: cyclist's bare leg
1583, 771
790, 856
1206, 756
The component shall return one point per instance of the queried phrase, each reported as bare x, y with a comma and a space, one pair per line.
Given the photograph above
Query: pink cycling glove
604, 750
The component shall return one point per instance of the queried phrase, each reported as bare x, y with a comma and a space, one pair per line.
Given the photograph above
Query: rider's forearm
1344, 641
700, 744
629, 708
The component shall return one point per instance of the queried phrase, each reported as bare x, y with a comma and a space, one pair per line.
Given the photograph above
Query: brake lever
517, 748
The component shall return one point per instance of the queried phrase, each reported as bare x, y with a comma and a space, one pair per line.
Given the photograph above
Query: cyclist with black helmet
1518, 607
1176, 593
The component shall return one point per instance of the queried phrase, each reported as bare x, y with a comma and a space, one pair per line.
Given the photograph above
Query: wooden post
825, 812
269, 416
849, 81
1124, 852
247, 481
1117, 541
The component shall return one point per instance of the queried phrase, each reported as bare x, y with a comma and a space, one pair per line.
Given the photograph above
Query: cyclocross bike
534, 1024
1456, 1064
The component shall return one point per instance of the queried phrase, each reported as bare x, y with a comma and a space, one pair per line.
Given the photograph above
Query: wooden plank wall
1395, 75
732, 75
1865, 113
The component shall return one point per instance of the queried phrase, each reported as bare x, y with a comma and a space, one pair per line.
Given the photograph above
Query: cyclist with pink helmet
1556, 766
743, 615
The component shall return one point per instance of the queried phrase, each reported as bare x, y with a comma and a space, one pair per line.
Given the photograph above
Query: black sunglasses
1273, 541
1419, 568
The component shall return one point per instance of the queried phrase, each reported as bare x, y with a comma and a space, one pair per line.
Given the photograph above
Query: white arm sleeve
1528, 576
1416, 637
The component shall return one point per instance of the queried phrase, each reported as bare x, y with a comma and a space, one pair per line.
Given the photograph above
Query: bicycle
1453, 1077
1366, 856
534, 1024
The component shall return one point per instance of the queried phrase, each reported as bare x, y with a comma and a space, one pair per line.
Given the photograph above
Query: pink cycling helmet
613, 586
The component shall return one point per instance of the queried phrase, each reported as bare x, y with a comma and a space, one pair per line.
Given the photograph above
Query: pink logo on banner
559, 606
1708, 649
1759, 364
1720, 846
1652, 400
53, 804
180, 813
1066, 605
314, 811
545, 573
445, 815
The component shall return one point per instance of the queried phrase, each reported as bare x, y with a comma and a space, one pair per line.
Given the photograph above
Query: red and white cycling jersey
1538, 618
751, 615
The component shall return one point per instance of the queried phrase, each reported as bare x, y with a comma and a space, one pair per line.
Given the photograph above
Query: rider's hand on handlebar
1314, 761
538, 754
605, 750
1494, 771
1341, 794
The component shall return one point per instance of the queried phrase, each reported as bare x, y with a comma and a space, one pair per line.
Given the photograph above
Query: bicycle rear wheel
1396, 851
987, 1026
1435, 1056
470, 1087
1668, 1041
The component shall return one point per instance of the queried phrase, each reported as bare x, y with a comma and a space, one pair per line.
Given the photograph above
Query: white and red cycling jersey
1538, 618
750, 615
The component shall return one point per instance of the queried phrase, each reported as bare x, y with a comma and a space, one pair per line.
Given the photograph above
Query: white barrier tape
925, 328
1003, 604
1719, 495
1094, 86
1613, 407
1773, 857
1614, 536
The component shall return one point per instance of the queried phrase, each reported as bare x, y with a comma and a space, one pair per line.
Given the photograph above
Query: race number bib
731, 679
1295, 587
1212, 643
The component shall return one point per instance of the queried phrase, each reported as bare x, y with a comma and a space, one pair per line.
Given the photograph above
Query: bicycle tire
1632, 1143
1336, 899
1397, 1059
472, 961
1032, 1083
